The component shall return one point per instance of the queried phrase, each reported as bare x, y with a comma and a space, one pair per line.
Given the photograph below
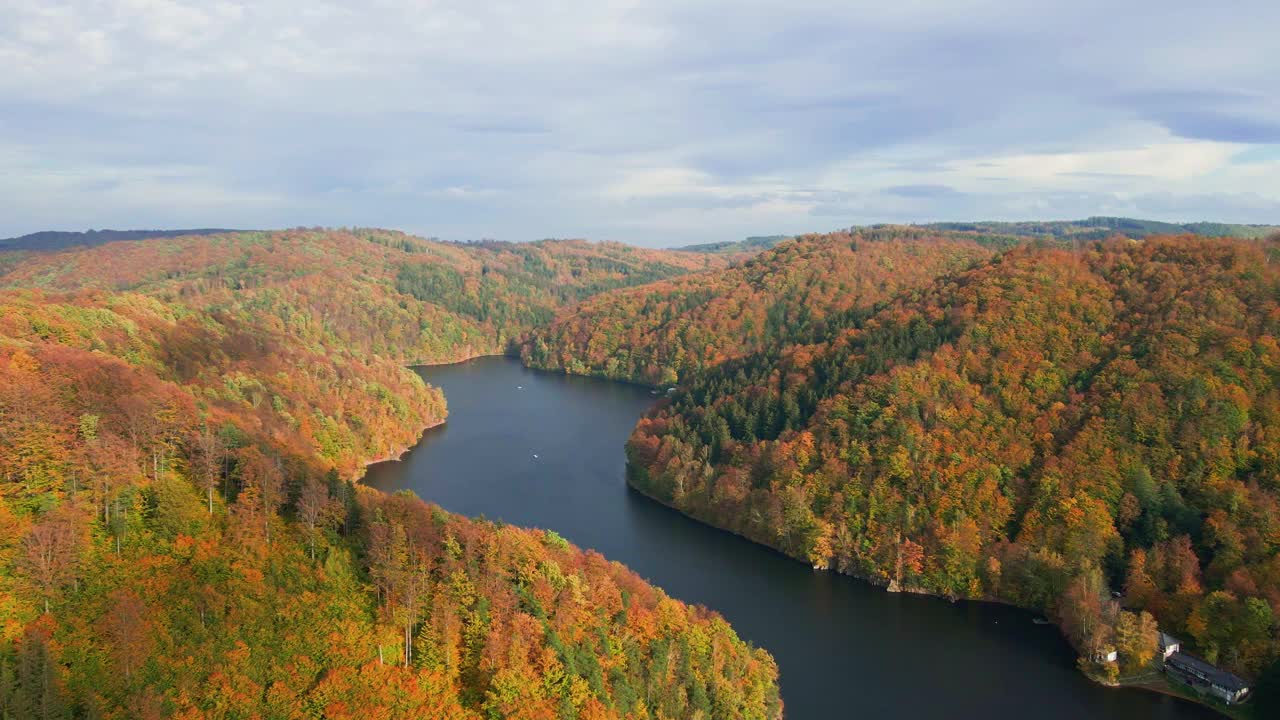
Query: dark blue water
844, 648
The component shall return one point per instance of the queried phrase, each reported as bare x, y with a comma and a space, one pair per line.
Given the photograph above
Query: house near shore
1206, 677
1168, 645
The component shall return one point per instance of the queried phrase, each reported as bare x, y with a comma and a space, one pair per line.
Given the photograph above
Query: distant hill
729, 247
671, 331
1008, 234
1098, 228
58, 240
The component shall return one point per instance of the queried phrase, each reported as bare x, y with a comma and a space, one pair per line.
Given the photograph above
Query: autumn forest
181, 422
1084, 425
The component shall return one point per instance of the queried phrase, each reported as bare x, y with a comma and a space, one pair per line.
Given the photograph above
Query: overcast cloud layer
656, 122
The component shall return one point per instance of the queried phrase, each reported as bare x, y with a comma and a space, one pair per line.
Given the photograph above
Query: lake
544, 450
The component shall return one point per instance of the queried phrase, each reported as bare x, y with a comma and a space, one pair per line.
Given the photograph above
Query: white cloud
1176, 160
632, 118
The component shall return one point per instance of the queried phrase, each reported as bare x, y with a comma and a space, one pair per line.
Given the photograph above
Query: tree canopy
180, 424
1044, 428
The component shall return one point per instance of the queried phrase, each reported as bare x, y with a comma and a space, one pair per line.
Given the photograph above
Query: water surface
544, 450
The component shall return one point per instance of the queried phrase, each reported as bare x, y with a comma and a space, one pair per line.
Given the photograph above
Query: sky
655, 122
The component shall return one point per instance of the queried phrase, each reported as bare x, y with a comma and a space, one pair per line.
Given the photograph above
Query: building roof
1167, 640
1221, 678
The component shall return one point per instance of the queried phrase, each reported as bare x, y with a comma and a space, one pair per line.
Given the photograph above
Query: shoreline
887, 587
1165, 687
597, 376
1168, 691
459, 361
395, 455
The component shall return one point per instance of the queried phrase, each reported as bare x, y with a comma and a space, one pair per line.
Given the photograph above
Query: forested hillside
1101, 228
374, 291
179, 536
58, 240
746, 246
1089, 229
668, 332
1041, 429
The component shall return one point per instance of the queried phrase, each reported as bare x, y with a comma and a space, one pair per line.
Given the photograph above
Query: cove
545, 450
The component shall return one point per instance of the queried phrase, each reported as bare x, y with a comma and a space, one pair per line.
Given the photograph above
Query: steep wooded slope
1037, 429
177, 538
377, 291
672, 330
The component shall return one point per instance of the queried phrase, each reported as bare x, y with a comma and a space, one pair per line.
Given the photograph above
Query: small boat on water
1040, 621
